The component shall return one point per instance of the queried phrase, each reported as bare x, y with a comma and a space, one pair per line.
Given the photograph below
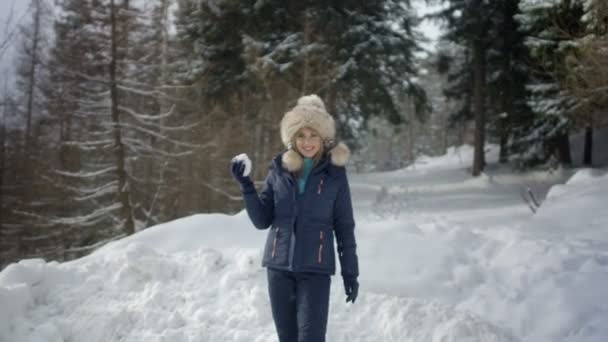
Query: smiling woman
308, 142
306, 202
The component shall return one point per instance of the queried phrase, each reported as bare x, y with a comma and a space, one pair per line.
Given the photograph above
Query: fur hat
310, 112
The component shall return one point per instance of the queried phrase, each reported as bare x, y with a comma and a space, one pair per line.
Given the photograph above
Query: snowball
244, 158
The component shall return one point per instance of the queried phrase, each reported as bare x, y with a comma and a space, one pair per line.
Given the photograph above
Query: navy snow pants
300, 305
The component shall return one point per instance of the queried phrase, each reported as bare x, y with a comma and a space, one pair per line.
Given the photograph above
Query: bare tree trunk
503, 155
306, 72
119, 149
268, 123
479, 77
164, 106
31, 86
330, 102
11, 245
164, 59
559, 146
588, 153
257, 147
160, 166
507, 96
411, 136
3, 106
444, 129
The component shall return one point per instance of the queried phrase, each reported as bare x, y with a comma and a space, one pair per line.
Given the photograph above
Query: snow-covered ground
443, 256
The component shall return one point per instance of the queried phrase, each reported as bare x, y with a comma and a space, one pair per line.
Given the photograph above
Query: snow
429, 28
443, 257
530, 5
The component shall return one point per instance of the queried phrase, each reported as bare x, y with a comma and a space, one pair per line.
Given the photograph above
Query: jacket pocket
314, 248
273, 253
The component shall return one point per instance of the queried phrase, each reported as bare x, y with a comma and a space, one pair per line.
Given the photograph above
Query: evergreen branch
165, 138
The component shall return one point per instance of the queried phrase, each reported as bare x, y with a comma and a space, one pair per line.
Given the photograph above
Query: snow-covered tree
170, 135
586, 78
118, 126
508, 74
32, 46
248, 61
468, 25
491, 29
357, 56
550, 28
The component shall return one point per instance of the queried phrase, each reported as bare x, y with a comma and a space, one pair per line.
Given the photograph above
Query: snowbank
140, 294
468, 265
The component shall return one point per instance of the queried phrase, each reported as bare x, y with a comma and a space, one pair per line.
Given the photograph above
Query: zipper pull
274, 243
320, 255
320, 187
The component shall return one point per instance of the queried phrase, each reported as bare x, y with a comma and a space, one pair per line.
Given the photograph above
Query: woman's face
308, 142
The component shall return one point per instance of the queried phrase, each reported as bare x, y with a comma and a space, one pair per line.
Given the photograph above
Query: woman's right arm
260, 207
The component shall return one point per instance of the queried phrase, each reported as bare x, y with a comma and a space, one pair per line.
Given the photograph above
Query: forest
117, 115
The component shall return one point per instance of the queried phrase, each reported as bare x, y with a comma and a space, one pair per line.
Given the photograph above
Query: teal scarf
306, 168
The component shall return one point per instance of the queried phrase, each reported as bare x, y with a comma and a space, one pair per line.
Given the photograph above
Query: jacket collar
324, 165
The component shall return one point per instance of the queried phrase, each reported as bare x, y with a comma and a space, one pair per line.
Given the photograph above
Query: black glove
237, 167
351, 287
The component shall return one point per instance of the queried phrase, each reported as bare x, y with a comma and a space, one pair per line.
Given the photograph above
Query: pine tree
358, 56
550, 27
489, 42
468, 25
150, 90
118, 126
248, 61
32, 185
453, 61
507, 59
78, 101
585, 77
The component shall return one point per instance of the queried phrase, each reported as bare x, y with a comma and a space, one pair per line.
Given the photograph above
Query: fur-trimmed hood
292, 160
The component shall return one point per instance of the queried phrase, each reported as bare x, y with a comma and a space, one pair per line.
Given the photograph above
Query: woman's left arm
344, 227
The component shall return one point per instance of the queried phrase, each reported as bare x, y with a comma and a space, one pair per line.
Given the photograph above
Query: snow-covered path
443, 258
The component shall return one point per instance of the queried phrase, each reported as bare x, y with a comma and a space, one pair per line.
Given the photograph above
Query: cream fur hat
310, 112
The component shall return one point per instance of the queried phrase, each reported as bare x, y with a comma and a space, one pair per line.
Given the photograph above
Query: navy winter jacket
301, 238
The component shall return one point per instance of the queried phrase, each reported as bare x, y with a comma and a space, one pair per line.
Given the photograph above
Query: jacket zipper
292, 238
320, 187
320, 257
274, 242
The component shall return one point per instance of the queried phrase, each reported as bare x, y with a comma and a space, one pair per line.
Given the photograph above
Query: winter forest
479, 139
119, 115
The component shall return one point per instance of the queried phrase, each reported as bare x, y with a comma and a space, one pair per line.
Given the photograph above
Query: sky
443, 257
430, 28
8, 24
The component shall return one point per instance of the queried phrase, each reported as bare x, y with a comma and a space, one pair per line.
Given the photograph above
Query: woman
306, 201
